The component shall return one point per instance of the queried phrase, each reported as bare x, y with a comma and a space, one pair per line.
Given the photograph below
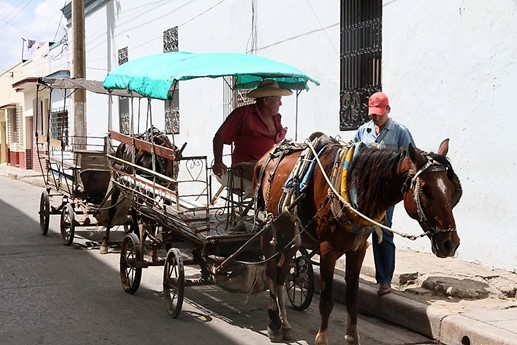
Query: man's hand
219, 169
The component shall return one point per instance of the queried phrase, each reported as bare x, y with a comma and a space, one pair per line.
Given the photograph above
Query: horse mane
367, 175
442, 160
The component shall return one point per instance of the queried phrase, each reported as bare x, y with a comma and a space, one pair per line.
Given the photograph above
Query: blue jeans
384, 253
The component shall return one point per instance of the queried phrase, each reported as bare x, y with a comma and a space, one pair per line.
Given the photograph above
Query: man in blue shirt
383, 132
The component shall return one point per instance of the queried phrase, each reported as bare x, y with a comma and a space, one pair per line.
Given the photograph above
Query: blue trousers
384, 253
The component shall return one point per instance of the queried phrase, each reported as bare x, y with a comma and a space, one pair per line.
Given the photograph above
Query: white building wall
307, 39
449, 67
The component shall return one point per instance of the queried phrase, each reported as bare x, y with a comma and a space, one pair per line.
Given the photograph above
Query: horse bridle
412, 184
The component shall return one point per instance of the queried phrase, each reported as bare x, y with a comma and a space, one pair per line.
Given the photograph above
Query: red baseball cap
377, 103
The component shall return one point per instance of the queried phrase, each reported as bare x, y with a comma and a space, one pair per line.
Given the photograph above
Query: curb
35, 180
393, 307
450, 328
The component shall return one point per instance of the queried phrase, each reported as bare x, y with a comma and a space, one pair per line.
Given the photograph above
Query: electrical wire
60, 19
8, 21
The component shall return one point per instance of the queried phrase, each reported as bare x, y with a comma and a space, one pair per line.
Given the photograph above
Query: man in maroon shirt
253, 129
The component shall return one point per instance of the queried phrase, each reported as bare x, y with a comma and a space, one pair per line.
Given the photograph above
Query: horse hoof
103, 250
321, 339
287, 333
275, 335
352, 340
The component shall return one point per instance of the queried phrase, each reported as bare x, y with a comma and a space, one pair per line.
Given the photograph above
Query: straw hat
269, 88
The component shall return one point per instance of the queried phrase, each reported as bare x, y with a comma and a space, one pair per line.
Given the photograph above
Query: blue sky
39, 20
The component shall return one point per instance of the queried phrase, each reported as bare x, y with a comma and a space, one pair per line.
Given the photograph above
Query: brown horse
378, 179
115, 208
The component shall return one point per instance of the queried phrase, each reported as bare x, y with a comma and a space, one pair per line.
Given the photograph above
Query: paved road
53, 294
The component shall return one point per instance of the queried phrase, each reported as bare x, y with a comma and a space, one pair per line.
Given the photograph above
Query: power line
14, 16
14, 9
60, 19
297, 36
321, 27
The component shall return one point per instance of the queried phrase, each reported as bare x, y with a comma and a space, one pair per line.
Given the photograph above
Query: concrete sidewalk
451, 301
29, 176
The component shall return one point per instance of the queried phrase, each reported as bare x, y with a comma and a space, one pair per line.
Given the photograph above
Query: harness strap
283, 149
348, 206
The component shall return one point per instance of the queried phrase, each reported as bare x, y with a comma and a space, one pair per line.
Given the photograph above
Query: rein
351, 208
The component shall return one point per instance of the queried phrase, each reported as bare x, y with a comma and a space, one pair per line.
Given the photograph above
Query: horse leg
280, 290
354, 261
286, 327
111, 214
105, 239
274, 327
327, 264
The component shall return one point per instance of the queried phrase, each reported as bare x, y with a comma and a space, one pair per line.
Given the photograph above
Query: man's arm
218, 168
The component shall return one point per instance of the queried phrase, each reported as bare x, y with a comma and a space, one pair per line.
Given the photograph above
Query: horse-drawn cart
320, 197
75, 169
178, 217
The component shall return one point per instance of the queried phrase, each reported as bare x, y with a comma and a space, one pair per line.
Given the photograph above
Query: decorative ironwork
124, 118
241, 98
361, 57
122, 56
170, 40
234, 98
172, 106
123, 102
172, 113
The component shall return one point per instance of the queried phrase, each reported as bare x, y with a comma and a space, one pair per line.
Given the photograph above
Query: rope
348, 206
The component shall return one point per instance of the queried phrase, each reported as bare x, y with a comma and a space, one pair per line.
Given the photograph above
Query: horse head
430, 192
164, 166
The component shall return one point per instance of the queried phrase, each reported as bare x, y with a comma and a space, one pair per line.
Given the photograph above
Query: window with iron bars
172, 105
232, 98
13, 134
123, 102
59, 125
361, 58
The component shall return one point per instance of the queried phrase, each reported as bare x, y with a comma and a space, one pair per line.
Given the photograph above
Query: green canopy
153, 76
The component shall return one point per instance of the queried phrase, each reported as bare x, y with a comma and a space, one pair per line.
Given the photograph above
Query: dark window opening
361, 58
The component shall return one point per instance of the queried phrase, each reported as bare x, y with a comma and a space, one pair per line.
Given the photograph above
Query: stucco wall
307, 39
449, 67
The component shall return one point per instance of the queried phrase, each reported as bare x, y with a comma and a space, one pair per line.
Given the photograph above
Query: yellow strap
344, 192
344, 173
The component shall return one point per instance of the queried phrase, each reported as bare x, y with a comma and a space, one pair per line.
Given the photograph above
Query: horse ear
412, 152
444, 147
415, 156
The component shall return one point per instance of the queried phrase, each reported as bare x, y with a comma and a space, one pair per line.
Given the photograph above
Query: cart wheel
68, 224
173, 282
300, 281
44, 212
130, 263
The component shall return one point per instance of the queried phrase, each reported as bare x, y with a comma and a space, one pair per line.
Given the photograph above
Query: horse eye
426, 193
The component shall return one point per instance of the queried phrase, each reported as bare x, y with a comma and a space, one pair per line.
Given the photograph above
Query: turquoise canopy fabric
153, 76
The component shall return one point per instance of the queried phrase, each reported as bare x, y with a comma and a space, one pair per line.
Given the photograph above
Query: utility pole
79, 71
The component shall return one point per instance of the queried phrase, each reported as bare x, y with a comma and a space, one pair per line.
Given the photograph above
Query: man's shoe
384, 289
